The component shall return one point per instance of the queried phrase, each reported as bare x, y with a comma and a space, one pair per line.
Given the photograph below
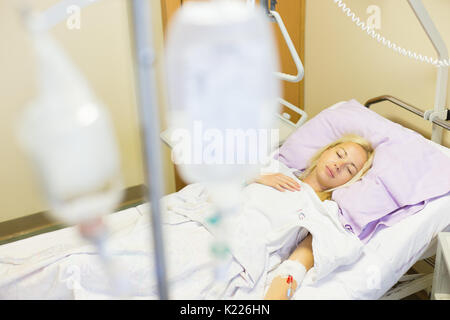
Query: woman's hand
279, 181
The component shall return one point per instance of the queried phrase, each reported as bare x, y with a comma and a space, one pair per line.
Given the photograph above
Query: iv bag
220, 62
69, 137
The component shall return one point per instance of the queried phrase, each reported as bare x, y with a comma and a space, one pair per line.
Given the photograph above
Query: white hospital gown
268, 227
291, 216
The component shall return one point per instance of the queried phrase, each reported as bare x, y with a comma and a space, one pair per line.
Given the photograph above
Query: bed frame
409, 283
412, 283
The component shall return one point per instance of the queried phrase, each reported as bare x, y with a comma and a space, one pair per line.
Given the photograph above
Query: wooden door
168, 8
293, 14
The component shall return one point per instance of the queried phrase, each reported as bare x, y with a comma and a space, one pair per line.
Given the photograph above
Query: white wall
342, 62
101, 50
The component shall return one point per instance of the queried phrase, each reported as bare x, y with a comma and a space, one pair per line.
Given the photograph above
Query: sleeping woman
336, 165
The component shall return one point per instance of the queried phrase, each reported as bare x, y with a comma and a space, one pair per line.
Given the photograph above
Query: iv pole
145, 58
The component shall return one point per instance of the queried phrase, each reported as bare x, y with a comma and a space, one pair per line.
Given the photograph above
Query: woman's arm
278, 181
303, 254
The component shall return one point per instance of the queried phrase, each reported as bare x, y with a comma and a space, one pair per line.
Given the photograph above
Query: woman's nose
338, 165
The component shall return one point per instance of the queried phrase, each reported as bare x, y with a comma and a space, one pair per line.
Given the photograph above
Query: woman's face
337, 165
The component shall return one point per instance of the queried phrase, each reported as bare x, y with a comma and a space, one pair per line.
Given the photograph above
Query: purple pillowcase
407, 170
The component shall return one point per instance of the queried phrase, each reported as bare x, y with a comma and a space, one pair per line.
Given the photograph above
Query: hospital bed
395, 284
36, 267
369, 278
409, 284
51, 258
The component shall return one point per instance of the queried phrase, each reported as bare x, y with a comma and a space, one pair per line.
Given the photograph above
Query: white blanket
268, 227
265, 230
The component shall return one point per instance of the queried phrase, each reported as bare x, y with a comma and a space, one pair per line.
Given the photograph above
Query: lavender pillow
407, 170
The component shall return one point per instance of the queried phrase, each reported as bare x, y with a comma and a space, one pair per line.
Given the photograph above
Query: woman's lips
330, 173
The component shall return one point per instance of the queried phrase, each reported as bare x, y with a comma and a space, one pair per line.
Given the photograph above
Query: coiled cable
371, 32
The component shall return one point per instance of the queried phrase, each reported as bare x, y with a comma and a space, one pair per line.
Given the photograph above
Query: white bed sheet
62, 265
35, 267
47, 258
387, 256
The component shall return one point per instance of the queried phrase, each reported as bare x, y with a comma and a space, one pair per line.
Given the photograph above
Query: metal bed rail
442, 123
410, 284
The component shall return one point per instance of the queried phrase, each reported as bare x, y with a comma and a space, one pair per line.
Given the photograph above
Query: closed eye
355, 170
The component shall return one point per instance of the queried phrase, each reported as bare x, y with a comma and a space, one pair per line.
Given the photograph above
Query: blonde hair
366, 145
